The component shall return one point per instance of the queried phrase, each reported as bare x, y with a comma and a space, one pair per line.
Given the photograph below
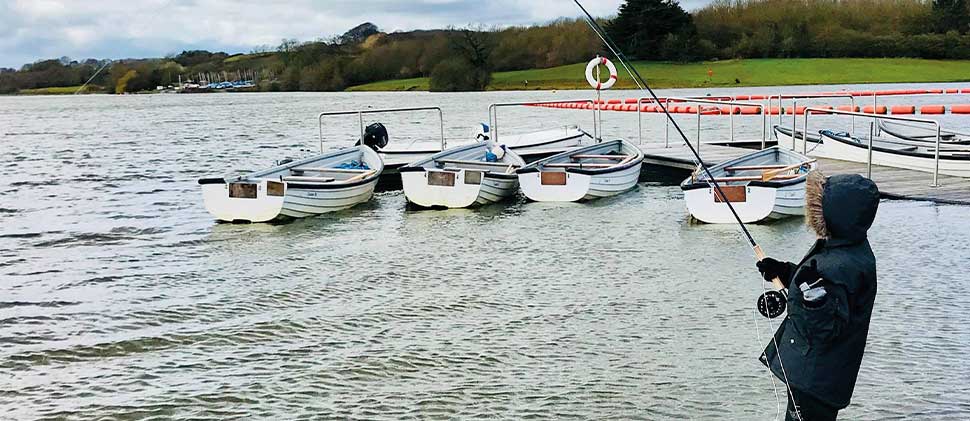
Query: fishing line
642, 83
92, 77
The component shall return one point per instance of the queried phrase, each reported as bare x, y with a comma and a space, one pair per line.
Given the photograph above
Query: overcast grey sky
37, 29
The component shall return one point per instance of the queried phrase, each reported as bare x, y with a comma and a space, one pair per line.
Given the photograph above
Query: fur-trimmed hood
840, 207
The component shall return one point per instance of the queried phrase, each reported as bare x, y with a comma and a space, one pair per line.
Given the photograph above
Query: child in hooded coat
818, 349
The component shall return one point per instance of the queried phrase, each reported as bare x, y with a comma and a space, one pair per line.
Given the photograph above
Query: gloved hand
810, 282
771, 268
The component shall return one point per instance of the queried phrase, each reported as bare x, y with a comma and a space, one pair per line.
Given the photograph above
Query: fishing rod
771, 303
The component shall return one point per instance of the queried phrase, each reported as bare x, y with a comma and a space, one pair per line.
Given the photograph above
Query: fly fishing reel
772, 304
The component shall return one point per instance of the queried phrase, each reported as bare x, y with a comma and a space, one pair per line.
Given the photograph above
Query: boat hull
268, 195
263, 208
753, 201
468, 190
573, 185
305, 202
761, 203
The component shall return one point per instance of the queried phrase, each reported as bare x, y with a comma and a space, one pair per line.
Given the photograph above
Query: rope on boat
642, 83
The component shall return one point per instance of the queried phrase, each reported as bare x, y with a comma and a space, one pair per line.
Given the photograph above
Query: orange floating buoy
848, 108
774, 110
824, 107
903, 109
631, 101
965, 91
952, 91
879, 110
960, 109
614, 101
742, 97
932, 109
690, 109
630, 107
934, 91
796, 111
754, 97
749, 110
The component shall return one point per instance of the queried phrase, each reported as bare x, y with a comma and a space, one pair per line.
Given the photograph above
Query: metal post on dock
667, 123
872, 129
360, 117
699, 128
936, 168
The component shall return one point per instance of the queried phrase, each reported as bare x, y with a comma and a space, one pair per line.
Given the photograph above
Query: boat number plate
473, 177
242, 190
552, 178
734, 194
275, 188
441, 178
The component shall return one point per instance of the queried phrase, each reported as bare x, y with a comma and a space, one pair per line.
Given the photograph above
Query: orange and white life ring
592, 79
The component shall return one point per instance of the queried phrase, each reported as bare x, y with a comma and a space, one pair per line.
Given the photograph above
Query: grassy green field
759, 72
59, 90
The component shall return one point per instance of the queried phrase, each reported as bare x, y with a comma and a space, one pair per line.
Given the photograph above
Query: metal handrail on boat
667, 100
493, 112
360, 117
936, 171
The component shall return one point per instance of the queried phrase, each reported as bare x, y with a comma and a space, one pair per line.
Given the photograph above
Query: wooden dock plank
897, 183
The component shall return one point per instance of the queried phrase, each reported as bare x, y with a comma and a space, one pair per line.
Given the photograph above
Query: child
830, 299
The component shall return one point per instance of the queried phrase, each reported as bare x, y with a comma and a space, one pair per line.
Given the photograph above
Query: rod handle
760, 254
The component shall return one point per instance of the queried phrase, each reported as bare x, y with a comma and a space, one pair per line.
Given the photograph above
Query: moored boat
953, 160
461, 177
529, 146
765, 184
585, 173
922, 134
328, 182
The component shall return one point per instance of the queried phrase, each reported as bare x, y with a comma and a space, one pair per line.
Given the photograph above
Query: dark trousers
809, 408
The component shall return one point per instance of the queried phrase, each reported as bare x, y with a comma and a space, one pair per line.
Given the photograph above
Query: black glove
810, 282
771, 268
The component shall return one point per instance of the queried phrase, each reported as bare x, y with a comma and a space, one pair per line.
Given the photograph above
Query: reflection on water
121, 298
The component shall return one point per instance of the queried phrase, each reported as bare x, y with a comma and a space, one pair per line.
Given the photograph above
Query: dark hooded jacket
821, 347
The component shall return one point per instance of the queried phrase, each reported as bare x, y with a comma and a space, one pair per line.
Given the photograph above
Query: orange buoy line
680, 107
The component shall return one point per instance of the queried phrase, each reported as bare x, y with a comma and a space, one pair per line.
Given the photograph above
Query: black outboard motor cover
375, 136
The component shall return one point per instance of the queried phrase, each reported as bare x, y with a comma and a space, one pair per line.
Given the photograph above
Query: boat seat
338, 170
309, 179
466, 162
614, 157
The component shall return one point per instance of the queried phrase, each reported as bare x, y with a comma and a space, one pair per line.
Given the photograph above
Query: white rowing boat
460, 177
591, 172
529, 146
324, 183
765, 184
954, 160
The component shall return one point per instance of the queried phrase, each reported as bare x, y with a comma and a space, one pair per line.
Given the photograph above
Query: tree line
464, 58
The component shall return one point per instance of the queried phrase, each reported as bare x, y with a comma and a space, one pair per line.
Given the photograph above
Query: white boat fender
593, 80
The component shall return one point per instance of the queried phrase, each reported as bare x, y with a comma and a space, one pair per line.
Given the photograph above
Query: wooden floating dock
894, 183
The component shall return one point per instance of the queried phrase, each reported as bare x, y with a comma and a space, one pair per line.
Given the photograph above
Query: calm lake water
121, 298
